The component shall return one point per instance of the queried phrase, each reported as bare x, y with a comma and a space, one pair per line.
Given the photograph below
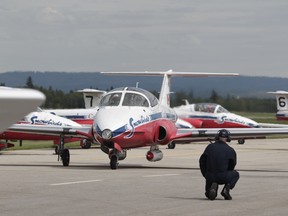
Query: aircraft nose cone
252, 123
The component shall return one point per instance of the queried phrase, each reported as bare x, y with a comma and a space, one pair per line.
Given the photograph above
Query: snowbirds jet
282, 104
211, 115
82, 116
37, 118
131, 117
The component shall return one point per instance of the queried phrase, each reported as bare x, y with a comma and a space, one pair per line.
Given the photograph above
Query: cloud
82, 35
51, 15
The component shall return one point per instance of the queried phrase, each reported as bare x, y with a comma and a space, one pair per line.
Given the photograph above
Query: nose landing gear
63, 152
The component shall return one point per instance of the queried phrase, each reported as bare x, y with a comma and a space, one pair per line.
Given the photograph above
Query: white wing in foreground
202, 134
16, 103
183, 135
73, 131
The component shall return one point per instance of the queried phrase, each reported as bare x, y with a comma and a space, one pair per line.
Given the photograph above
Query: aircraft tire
65, 156
56, 149
241, 141
171, 145
113, 162
86, 144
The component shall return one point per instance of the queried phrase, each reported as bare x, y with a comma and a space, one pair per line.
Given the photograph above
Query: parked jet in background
85, 116
37, 118
211, 115
282, 104
82, 116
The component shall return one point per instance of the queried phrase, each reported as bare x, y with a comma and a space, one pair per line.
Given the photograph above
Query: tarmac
33, 182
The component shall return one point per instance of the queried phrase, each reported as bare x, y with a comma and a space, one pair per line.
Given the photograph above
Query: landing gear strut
63, 153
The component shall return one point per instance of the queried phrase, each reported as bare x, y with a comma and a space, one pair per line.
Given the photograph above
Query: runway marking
163, 175
76, 182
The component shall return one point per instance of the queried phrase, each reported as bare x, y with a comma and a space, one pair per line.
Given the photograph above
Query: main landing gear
241, 141
171, 145
63, 152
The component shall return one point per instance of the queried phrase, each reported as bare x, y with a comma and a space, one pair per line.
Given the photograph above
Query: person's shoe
212, 193
226, 192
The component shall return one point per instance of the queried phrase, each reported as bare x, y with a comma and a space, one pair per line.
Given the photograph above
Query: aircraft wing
202, 134
73, 131
16, 103
268, 125
183, 134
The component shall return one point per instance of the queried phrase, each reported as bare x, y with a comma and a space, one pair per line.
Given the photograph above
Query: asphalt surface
33, 182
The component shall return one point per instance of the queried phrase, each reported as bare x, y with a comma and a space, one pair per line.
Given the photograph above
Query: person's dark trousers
233, 177
229, 177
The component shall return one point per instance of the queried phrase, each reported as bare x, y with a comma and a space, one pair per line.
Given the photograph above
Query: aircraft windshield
205, 107
210, 108
132, 99
112, 99
221, 109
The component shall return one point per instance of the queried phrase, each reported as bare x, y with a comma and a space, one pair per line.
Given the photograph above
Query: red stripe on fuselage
206, 123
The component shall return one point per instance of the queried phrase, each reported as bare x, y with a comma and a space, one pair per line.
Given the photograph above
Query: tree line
58, 99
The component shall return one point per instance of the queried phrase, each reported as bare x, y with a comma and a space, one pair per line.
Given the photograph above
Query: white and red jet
282, 104
211, 115
133, 117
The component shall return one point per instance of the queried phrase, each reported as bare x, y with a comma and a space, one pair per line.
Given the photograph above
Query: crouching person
217, 165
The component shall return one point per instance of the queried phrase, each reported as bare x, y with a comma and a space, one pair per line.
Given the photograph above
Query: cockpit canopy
210, 108
129, 96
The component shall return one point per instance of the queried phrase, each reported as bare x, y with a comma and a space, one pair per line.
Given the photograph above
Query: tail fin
186, 102
164, 97
91, 97
281, 99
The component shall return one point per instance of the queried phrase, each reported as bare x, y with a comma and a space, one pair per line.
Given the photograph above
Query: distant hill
242, 86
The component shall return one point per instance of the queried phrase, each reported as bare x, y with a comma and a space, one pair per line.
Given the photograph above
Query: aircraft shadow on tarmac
132, 166
188, 198
97, 166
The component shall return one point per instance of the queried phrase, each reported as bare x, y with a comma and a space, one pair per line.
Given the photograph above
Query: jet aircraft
85, 116
82, 116
211, 115
36, 118
282, 104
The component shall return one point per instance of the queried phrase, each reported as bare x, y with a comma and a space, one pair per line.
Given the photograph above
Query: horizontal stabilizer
279, 93
164, 98
170, 73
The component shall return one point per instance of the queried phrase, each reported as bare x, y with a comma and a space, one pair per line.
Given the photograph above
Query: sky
249, 37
